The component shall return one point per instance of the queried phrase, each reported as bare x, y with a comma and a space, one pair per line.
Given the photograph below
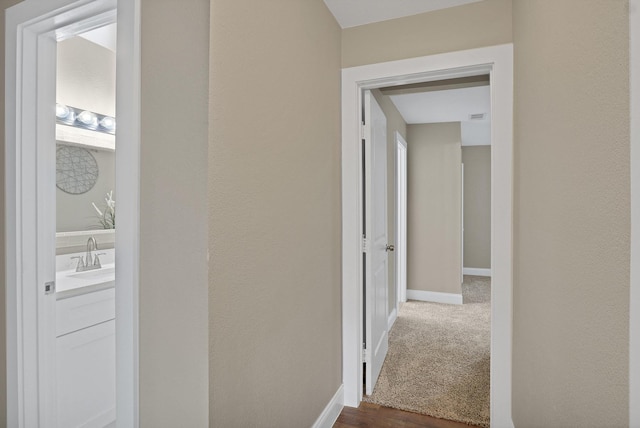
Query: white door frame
461, 221
498, 62
29, 78
401, 220
634, 297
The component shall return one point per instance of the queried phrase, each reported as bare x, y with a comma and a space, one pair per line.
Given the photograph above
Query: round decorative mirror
76, 170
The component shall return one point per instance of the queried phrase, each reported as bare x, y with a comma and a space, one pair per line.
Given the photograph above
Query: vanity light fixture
65, 114
88, 120
71, 116
108, 123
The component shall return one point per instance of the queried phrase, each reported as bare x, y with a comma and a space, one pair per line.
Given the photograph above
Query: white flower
107, 218
110, 202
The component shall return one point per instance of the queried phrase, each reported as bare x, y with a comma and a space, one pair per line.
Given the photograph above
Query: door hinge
49, 287
364, 244
363, 131
365, 354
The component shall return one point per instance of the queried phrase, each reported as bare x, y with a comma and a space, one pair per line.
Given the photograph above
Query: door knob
390, 247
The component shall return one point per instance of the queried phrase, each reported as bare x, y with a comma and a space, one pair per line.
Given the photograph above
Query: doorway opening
64, 310
438, 349
497, 63
86, 250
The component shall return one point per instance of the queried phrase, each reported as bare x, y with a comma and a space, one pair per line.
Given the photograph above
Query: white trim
476, 271
330, 414
393, 316
634, 292
498, 61
128, 231
461, 222
85, 138
434, 297
29, 57
46, 49
401, 219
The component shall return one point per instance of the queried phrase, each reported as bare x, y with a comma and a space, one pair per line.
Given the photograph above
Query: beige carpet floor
438, 359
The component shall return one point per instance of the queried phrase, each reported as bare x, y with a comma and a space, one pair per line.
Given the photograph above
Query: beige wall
275, 234
395, 122
571, 284
474, 25
173, 226
571, 278
434, 186
477, 206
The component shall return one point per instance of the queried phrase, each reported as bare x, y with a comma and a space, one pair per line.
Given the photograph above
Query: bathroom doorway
67, 305
85, 286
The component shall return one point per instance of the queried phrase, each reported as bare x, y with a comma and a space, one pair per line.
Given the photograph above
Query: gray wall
434, 186
86, 79
86, 76
474, 25
75, 212
395, 122
174, 352
477, 206
571, 284
274, 191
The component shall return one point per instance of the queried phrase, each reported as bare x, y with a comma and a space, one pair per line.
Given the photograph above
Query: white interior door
376, 245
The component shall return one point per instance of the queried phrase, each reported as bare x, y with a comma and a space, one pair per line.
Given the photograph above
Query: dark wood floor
372, 415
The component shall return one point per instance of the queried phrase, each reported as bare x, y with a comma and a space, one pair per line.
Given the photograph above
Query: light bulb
108, 123
88, 119
65, 114
62, 111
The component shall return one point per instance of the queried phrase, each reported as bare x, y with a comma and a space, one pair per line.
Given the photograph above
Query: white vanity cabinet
86, 359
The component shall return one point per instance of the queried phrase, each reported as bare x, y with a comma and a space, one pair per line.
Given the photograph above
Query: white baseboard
476, 271
330, 414
435, 297
392, 318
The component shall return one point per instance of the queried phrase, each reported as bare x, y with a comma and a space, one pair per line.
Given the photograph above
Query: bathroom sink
105, 271
67, 281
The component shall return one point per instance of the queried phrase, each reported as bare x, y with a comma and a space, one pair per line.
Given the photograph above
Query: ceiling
453, 105
103, 36
351, 13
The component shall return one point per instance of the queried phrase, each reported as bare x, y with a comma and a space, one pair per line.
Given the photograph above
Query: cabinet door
86, 373
85, 310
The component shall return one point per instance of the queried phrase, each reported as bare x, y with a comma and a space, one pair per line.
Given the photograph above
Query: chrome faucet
92, 245
89, 262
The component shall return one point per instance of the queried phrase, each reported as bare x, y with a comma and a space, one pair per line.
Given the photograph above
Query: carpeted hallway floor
438, 359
